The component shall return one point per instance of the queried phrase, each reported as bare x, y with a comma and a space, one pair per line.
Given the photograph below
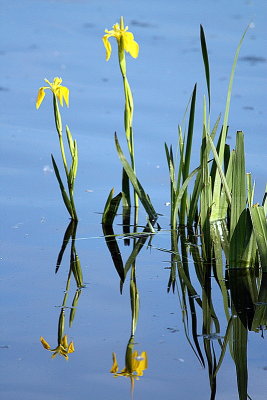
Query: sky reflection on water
50, 38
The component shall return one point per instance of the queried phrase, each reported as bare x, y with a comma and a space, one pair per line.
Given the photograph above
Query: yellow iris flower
135, 368
62, 349
61, 92
125, 40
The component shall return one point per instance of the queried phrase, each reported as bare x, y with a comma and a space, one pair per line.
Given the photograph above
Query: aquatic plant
126, 43
62, 93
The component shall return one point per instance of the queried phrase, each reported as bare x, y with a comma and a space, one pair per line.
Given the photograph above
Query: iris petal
61, 92
107, 46
71, 347
44, 343
115, 366
40, 97
125, 40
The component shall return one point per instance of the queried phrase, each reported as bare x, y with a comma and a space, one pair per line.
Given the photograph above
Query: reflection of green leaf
227, 336
134, 295
137, 248
74, 306
113, 247
240, 337
65, 242
126, 222
260, 316
76, 268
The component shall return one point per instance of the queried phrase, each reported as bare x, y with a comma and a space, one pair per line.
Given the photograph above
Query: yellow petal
144, 361
107, 46
64, 342
130, 45
64, 354
71, 347
40, 97
115, 366
49, 83
44, 343
140, 362
134, 49
64, 91
57, 81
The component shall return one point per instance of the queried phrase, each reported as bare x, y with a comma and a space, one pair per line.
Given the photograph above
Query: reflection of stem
74, 259
134, 299
128, 361
114, 250
75, 269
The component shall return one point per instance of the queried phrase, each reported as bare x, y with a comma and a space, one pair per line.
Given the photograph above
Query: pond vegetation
217, 233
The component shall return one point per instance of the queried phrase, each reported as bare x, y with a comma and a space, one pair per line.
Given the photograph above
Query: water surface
43, 39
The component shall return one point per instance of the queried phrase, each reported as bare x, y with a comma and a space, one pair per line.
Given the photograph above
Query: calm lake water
43, 39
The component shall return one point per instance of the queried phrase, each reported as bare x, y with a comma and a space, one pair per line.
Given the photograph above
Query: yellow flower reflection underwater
61, 92
62, 349
125, 40
135, 365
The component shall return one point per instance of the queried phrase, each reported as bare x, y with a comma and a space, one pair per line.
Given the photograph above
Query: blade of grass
188, 151
205, 60
218, 177
65, 242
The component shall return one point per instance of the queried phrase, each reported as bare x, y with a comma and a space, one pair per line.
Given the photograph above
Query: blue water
43, 39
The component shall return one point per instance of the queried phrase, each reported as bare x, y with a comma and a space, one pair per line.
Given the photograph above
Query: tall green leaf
217, 183
136, 184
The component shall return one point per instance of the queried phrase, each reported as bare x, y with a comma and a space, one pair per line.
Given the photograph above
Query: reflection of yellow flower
136, 364
61, 92
125, 40
63, 348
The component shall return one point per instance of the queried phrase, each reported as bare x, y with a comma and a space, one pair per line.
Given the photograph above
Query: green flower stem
70, 180
58, 122
128, 113
71, 187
